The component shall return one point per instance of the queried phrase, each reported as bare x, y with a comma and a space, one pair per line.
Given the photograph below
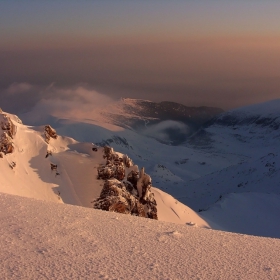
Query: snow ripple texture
45, 240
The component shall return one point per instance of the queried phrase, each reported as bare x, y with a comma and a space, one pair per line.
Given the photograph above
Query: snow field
45, 240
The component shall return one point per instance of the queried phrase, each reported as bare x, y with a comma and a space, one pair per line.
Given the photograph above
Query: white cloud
18, 88
76, 103
163, 131
31, 102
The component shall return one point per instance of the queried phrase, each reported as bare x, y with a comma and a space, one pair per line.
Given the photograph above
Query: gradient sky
215, 53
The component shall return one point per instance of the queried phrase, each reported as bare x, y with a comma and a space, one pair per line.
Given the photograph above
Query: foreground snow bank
45, 240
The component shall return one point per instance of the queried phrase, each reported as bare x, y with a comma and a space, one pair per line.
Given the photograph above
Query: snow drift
45, 240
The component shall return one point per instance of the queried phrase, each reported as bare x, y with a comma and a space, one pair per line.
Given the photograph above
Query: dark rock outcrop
115, 197
115, 165
7, 125
8, 131
6, 144
131, 196
49, 133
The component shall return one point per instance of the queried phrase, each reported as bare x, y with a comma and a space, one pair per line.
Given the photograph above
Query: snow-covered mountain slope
198, 173
255, 175
220, 159
44, 240
23, 179
249, 213
74, 180
252, 134
238, 152
262, 115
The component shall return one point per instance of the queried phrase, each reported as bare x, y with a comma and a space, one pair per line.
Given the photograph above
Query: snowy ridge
264, 114
73, 181
269, 108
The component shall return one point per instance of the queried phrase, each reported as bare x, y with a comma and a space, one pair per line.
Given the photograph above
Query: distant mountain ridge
168, 122
258, 121
140, 114
166, 110
264, 115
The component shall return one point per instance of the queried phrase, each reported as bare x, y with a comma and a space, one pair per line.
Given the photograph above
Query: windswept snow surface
45, 240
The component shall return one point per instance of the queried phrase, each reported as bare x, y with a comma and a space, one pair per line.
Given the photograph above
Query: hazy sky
216, 53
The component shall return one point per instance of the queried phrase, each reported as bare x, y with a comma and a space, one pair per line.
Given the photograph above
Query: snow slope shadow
247, 213
74, 178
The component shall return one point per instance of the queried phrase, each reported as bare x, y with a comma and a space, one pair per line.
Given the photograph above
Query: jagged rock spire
131, 196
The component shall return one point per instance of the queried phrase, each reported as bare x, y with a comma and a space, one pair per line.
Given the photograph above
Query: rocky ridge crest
129, 194
49, 133
7, 133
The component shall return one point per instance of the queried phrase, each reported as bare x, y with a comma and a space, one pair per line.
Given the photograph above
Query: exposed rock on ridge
131, 196
7, 132
49, 133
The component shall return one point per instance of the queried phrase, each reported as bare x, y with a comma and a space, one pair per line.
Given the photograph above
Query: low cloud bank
32, 102
167, 131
